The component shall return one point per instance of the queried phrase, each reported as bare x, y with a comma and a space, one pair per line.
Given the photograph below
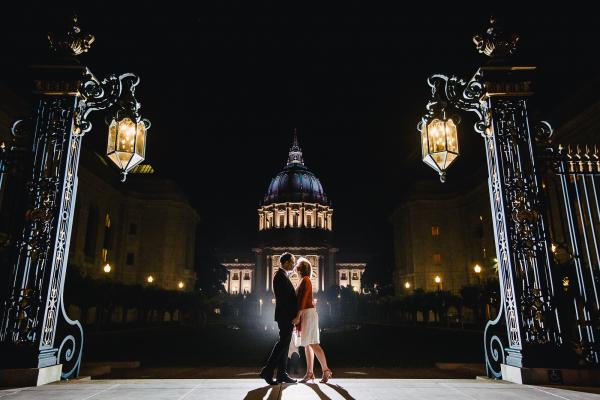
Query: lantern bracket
101, 95
449, 94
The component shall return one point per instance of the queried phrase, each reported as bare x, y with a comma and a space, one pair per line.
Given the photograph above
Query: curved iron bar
494, 353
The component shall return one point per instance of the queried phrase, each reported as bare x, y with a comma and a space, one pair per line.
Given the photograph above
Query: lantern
127, 142
439, 143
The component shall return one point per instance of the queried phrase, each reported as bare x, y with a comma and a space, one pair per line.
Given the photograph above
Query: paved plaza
254, 389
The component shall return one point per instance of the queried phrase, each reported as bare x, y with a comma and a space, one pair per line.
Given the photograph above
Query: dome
295, 183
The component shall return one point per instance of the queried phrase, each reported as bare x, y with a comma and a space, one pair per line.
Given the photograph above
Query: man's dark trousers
279, 354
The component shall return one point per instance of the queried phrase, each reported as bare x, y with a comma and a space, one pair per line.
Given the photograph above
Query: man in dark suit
286, 308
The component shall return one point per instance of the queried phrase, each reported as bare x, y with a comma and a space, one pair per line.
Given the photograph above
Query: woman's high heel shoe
327, 374
308, 377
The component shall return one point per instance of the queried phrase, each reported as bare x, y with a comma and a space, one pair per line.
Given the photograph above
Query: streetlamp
107, 268
497, 94
407, 285
35, 331
438, 281
477, 269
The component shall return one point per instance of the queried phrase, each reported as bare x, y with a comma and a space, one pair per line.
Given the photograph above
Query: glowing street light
107, 268
150, 279
407, 285
477, 268
180, 285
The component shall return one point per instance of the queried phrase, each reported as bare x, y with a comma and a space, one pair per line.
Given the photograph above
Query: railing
570, 181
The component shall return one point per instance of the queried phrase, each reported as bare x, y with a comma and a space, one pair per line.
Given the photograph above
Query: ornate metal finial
295, 155
72, 43
494, 42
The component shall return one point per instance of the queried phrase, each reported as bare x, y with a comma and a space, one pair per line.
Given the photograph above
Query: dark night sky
225, 85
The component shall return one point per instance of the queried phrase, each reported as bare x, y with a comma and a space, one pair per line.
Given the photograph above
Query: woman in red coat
307, 324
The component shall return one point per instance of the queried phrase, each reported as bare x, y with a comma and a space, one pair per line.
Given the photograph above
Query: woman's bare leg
317, 350
310, 359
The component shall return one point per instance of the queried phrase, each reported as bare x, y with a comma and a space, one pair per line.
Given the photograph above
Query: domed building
296, 216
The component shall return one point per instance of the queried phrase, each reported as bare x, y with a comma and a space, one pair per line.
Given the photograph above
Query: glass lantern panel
120, 159
126, 135
112, 137
140, 141
450, 159
424, 145
429, 161
440, 160
451, 136
436, 136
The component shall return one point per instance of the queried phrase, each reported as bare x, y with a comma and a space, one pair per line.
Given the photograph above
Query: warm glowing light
273, 301
439, 144
260, 301
437, 279
407, 285
107, 268
355, 289
150, 279
126, 143
180, 285
554, 247
477, 268
565, 282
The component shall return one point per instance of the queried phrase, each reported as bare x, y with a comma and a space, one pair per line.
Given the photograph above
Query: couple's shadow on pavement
276, 392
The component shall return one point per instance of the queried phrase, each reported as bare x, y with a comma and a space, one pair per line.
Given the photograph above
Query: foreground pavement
254, 389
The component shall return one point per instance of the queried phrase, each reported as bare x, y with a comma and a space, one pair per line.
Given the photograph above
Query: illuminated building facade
296, 216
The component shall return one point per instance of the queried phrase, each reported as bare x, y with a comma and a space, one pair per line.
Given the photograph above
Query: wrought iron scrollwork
100, 95
454, 93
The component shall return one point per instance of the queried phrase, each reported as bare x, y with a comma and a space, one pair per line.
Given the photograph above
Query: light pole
438, 281
498, 94
35, 331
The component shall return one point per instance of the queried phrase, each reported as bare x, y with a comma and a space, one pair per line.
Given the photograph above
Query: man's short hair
287, 256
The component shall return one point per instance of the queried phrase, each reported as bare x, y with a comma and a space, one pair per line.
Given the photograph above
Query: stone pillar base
23, 377
551, 376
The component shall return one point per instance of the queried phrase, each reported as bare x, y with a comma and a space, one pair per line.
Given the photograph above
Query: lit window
435, 230
437, 259
355, 276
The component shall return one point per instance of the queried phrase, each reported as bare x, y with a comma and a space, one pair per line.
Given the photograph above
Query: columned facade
296, 216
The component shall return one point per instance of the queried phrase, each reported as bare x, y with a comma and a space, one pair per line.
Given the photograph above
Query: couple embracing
294, 309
